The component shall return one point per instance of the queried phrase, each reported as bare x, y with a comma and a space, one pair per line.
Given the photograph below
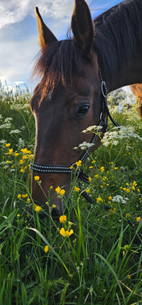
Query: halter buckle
104, 89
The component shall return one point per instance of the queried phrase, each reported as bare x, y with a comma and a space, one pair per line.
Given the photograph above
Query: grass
101, 261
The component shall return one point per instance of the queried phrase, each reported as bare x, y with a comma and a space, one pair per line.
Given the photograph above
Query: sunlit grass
93, 253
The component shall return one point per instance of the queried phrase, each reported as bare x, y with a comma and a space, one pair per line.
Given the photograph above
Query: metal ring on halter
104, 89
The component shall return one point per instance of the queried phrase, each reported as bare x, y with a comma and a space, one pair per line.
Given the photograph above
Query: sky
18, 33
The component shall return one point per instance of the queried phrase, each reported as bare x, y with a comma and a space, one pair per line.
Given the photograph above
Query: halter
65, 169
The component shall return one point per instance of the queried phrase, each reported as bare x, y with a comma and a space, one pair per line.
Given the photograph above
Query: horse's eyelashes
82, 110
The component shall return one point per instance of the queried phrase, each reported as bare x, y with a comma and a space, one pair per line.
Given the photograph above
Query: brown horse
137, 90
72, 93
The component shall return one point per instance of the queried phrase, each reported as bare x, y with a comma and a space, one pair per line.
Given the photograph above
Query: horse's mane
117, 32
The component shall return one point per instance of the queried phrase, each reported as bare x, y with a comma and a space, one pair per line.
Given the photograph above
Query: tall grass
100, 262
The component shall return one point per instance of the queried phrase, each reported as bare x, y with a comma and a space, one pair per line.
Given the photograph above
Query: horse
137, 91
76, 74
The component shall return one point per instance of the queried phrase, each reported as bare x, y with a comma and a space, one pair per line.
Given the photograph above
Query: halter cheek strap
65, 169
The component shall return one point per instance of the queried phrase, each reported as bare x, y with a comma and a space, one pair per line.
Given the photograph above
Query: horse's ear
82, 26
45, 35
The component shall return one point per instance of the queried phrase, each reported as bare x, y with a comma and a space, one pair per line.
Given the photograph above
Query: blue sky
18, 32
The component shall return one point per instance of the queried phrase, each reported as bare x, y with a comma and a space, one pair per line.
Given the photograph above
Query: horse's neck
130, 72
119, 47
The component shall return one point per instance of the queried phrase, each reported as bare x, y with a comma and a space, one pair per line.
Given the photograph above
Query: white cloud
12, 11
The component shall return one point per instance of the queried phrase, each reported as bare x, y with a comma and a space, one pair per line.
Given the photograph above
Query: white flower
119, 199
84, 146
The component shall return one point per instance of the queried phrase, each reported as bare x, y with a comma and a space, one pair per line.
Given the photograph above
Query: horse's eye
81, 110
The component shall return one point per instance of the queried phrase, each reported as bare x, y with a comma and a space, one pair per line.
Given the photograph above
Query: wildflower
38, 208
135, 183
102, 169
90, 179
62, 192
16, 154
57, 190
36, 178
25, 157
62, 218
87, 190
90, 166
138, 219
109, 197
46, 249
77, 189
78, 163
119, 199
133, 188
28, 200
7, 144
22, 170
127, 215
28, 215
129, 276
21, 161
96, 176
7, 161
19, 196
113, 211
66, 233
115, 168
25, 150
99, 199
24, 195
10, 151
18, 215
54, 206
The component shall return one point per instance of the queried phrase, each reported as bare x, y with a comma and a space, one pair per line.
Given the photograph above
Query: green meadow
91, 255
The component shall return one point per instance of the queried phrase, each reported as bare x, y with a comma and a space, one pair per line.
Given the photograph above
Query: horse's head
66, 101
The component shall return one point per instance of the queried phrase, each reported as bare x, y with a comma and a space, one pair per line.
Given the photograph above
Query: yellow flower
116, 167
66, 233
57, 190
63, 232
113, 211
25, 157
102, 169
62, 192
96, 176
90, 179
138, 219
7, 144
28, 215
19, 196
16, 154
25, 150
28, 200
63, 218
7, 161
22, 170
135, 183
109, 197
99, 199
78, 163
77, 189
133, 188
36, 178
90, 166
38, 208
129, 276
87, 190
54, 206
24, 195
46, 249
18, 215
10, 151
21, 161
127, 215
